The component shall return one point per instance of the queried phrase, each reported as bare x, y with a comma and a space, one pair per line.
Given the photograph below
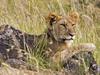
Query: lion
62, 32
59, 36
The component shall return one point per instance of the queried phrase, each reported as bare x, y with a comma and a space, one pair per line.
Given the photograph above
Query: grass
29, 16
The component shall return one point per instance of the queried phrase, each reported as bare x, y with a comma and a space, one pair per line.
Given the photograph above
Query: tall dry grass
29, 16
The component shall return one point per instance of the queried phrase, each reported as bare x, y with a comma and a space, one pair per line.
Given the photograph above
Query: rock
81, 63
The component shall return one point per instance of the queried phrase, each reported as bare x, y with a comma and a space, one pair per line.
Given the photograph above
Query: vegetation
29, 16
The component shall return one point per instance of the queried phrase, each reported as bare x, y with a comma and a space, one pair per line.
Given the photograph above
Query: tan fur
61, 27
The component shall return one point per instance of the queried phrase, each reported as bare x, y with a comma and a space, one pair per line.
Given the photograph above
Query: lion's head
62, 28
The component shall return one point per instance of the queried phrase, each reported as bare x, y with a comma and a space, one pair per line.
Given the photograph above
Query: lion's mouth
68, 39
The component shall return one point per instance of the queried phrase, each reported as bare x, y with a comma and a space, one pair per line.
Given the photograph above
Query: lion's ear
74, 16
52, 18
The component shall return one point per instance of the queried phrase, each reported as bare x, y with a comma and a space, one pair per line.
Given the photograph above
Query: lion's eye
73, 24
63, 25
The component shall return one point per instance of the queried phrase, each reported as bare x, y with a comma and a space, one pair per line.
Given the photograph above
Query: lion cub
61, 32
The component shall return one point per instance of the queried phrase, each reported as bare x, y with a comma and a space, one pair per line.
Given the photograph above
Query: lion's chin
69, 42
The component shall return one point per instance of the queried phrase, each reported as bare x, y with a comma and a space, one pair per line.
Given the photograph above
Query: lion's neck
53, 44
